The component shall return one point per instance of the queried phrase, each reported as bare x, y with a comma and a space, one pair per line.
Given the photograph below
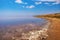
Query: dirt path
54, 29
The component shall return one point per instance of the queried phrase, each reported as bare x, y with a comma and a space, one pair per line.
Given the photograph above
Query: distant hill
55, 15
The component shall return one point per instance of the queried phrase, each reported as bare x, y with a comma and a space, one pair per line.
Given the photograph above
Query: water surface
22, 20
18, 28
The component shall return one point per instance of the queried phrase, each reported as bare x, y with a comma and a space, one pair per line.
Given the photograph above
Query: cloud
46, 3
43, 0
49, 4
49, 0
56, 1
18, 1
37, 3
31, 6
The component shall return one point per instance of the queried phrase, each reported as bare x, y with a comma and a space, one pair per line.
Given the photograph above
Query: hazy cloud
56, 1
43, 0
31, 6
37, 3
18, 1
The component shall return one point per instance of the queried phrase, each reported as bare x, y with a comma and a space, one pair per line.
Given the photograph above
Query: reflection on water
22, 28
22, 21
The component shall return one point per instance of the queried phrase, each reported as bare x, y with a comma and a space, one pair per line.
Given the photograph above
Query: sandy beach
54, 29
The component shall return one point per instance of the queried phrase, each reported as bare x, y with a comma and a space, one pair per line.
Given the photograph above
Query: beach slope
54, 29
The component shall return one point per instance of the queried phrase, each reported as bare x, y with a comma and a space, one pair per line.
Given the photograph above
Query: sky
18, 8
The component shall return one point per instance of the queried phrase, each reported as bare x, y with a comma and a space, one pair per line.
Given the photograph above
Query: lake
18, 28
22, 20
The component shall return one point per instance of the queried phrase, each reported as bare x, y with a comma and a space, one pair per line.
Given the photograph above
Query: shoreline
54, 28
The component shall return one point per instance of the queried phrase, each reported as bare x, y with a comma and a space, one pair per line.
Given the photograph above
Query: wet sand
54, 29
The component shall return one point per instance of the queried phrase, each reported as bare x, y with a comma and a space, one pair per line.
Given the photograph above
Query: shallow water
22, 20
13, 29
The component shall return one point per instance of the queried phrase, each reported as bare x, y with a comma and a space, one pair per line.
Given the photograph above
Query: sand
54, 29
